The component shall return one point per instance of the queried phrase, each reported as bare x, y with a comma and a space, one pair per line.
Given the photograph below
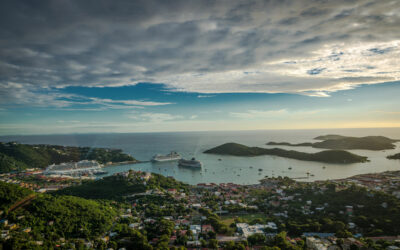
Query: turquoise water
229, 169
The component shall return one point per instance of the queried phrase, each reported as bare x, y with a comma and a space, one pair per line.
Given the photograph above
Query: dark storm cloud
99, 42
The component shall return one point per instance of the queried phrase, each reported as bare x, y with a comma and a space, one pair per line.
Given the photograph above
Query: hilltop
15, 156
346, 142
328, 156
118, 186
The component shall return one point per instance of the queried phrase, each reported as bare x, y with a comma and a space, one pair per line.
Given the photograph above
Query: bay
224, 169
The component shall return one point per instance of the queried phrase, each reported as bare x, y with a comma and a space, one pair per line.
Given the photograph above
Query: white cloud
255, 114
307, 47
128, 102
153, 117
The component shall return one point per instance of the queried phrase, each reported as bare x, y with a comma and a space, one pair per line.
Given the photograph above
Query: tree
256, 239
139, 241
213, 244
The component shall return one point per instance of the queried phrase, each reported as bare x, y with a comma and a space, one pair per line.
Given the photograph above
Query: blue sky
149, 107
139, 66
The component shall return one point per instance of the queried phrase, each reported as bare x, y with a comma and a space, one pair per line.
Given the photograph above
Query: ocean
223, 169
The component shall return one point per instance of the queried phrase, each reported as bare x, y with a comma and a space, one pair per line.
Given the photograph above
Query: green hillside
11, 193
116, 187
55, 216
346, 142
329, 156
15, 156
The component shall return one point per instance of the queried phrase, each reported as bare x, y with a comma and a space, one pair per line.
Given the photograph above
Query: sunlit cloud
153, 117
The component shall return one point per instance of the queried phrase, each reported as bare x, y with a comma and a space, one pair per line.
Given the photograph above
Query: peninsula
346, 142
328, 156
394, 157
15, 156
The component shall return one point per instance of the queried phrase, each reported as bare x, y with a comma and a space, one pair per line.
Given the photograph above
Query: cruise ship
193, 163
173, 156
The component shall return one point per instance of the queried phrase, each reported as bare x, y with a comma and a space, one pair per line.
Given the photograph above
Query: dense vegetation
329, 156
52, 217
394, 157
116, 187
346, 142
14, 156
11, 193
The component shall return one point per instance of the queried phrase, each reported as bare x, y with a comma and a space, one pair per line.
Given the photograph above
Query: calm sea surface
241, 170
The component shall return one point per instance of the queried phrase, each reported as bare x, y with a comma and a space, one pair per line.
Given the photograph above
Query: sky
93, 66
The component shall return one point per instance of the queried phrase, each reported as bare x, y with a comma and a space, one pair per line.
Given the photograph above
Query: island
16, 157
345, 142
327, 156
394, 157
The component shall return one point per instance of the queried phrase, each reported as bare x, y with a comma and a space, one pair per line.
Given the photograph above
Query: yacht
173, 156
193, 163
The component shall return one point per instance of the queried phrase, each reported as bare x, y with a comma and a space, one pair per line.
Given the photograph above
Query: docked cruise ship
173, 156
75, 168
193, 163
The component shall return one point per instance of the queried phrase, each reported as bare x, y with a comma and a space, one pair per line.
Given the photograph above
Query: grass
229, 219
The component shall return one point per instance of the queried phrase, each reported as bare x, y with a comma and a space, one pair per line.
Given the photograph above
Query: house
207, 228
246, 230
196, 229
317, 244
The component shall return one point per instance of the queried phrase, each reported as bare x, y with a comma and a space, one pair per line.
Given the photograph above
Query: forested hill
51, 217
11, 193
118, 186
15, 156
328, 156
346, 142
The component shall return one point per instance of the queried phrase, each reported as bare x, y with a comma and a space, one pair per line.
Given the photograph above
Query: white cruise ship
193, 163
173, 156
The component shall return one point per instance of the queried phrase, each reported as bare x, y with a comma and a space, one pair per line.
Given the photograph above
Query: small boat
220, 159
260, 169
323, 167
290, 168
251, 166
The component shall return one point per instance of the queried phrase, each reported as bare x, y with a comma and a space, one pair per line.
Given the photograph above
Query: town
281, 212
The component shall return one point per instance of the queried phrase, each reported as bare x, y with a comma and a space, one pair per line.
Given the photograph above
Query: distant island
328, 156
15, 156
394, 157
346, 142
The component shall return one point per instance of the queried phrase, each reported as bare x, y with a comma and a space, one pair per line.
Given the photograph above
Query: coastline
121, 163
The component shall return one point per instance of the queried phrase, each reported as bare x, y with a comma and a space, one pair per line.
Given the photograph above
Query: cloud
255, 114
315, 71
150, 117
279, 113
14, 94
128, 102
197, 46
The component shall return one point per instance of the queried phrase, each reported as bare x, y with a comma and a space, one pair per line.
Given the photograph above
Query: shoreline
121, 163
